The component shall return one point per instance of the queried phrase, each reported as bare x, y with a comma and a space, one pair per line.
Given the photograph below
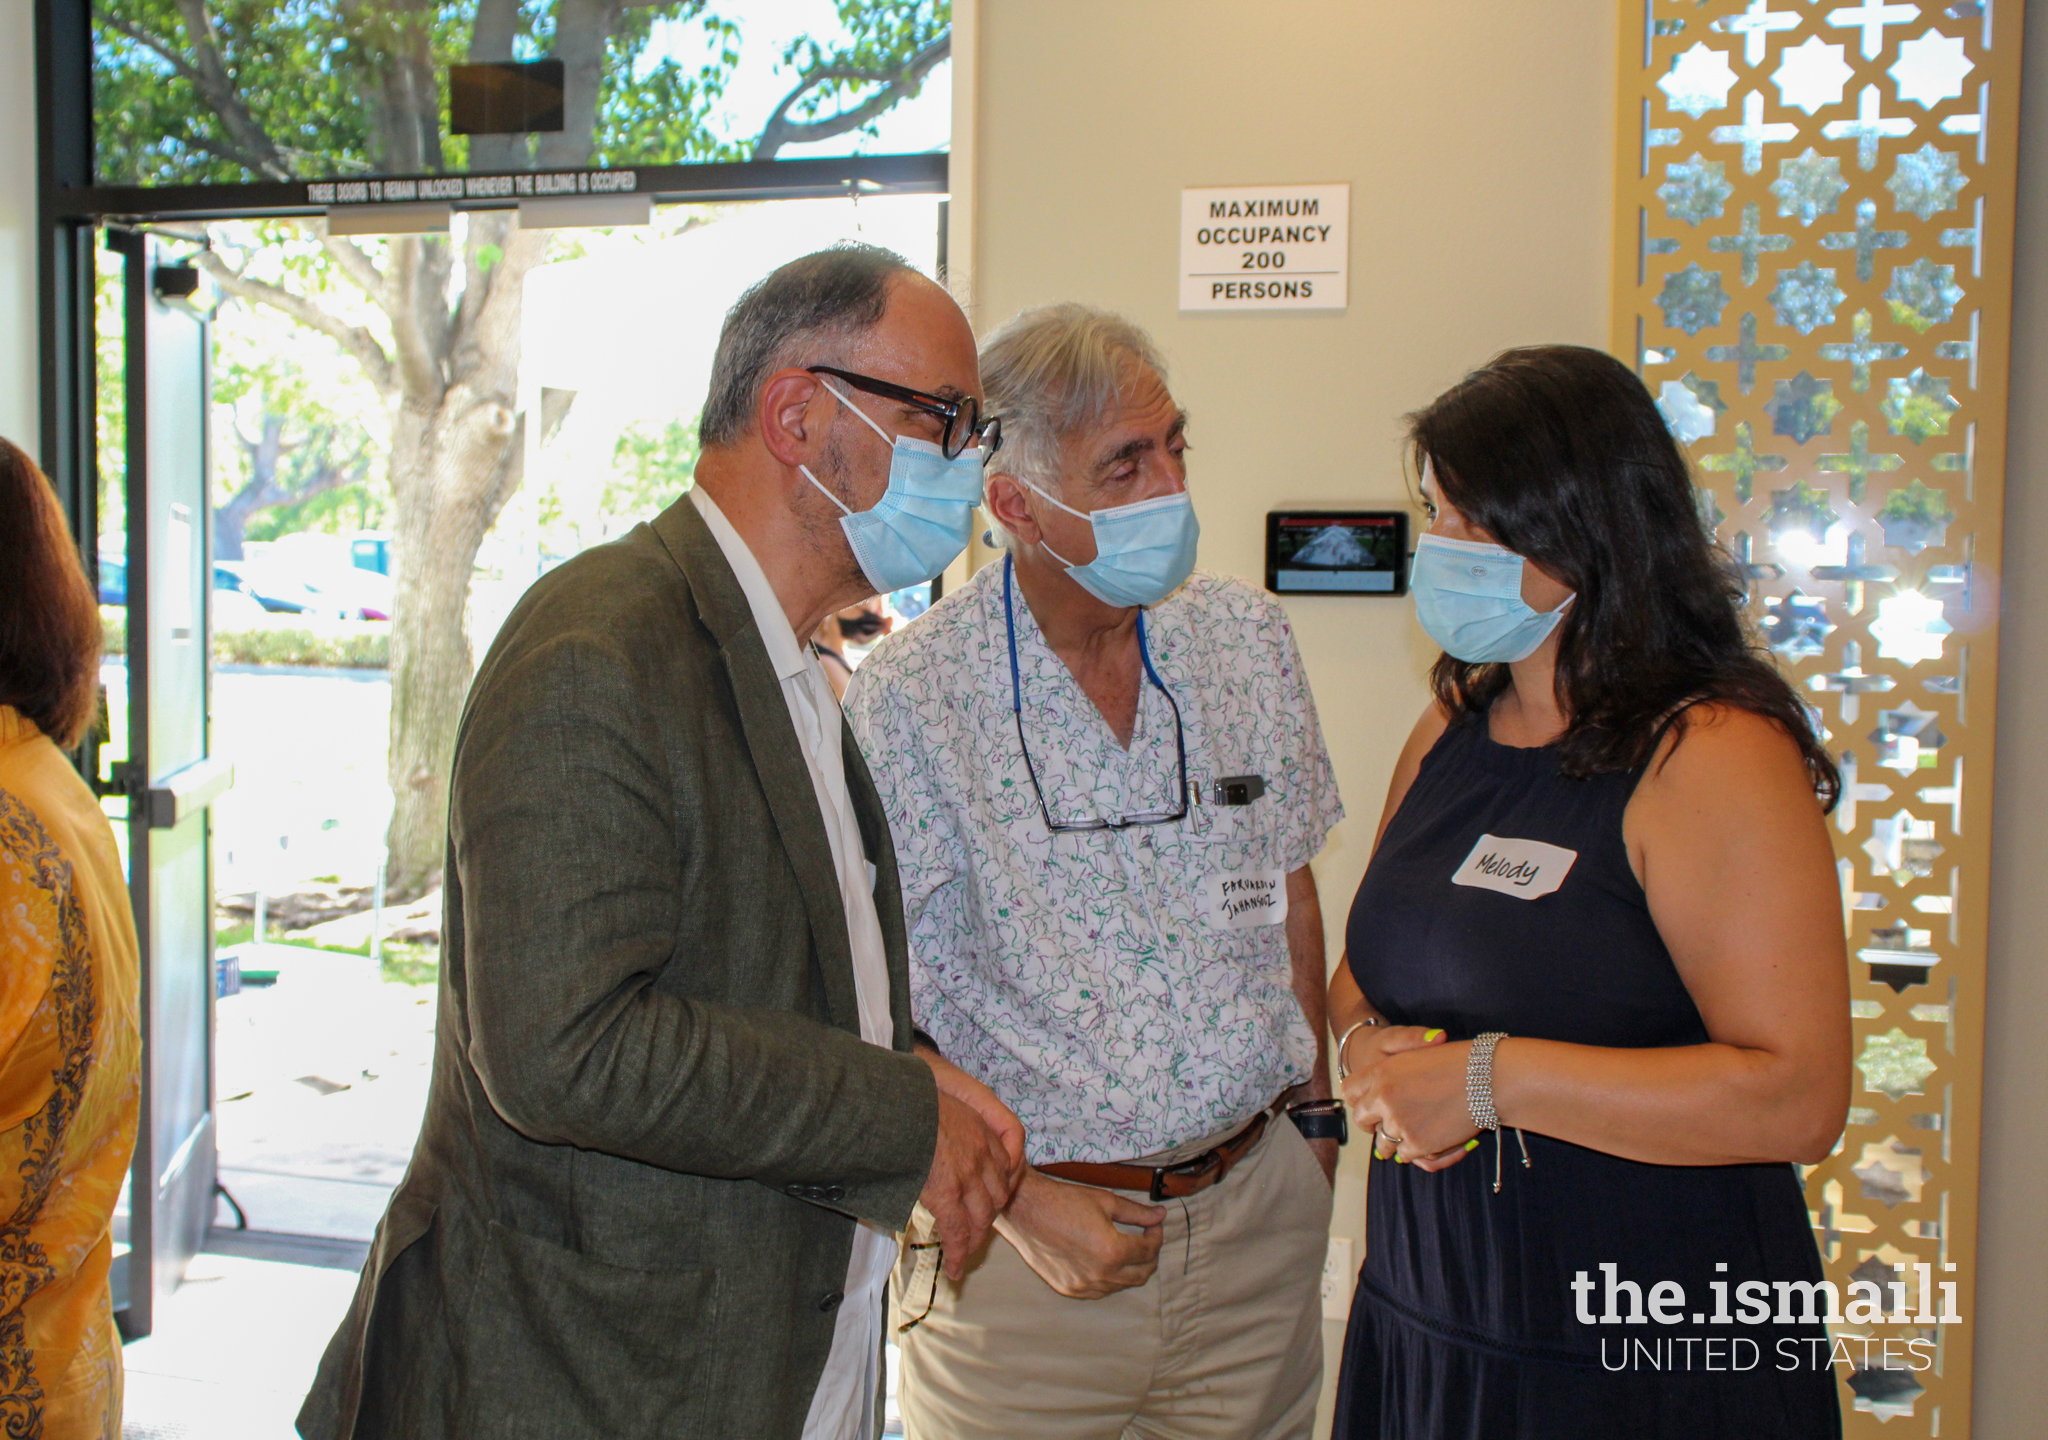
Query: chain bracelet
1479, 1079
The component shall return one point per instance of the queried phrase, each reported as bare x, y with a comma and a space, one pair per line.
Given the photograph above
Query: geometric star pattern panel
1813, 253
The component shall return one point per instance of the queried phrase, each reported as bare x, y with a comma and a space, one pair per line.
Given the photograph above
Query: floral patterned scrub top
1113, 987
69, 1086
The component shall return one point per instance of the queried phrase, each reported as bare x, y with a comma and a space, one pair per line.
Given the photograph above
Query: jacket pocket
561, 1344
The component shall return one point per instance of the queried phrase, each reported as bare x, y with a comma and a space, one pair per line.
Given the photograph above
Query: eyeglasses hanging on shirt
1093, 822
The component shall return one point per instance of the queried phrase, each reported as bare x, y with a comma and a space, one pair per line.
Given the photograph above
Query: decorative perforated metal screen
1814, 231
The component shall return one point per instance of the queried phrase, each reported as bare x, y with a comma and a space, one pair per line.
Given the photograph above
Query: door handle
184, 793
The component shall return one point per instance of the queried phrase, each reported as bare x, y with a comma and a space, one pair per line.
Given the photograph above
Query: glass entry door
171, 777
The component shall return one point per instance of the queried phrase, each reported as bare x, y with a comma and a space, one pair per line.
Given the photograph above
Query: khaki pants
1223, 1343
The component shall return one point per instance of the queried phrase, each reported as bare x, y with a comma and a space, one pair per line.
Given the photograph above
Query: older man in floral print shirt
1106, 780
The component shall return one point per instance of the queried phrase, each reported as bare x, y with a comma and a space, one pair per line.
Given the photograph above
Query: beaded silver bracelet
1479, 1079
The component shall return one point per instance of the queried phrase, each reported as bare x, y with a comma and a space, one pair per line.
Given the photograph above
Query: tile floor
234, 1351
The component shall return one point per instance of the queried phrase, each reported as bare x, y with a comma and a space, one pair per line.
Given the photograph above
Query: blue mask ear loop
1180, 744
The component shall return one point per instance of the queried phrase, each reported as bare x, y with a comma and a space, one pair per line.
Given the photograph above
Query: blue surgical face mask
1469, 599
923, 519
1143, 551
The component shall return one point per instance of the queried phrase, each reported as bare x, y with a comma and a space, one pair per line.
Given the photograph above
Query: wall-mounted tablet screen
1337, 552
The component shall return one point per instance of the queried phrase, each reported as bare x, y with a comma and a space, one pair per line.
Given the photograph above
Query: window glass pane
280, 90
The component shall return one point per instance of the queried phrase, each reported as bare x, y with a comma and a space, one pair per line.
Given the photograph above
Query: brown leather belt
1168, 1182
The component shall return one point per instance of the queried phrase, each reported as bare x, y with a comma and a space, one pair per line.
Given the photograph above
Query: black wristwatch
1320, 1120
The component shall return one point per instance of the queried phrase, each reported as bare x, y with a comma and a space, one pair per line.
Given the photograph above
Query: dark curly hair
1559, 453
49, 615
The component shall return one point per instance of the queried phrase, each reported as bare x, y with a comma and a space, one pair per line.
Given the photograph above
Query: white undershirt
844, 1406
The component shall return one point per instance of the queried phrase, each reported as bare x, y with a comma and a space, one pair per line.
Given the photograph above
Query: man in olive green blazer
653, 1122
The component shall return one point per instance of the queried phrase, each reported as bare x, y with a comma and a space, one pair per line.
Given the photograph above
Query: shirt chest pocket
1235, 867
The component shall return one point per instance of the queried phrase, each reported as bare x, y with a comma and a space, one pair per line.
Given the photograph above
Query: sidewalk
235, 1348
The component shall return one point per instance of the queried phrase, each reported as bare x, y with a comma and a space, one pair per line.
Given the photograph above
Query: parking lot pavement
322, 1079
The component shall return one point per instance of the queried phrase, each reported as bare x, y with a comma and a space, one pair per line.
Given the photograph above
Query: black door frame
73, 208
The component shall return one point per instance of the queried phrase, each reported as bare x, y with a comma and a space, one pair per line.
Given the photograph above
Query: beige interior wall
1478, 141
2010, 1393
1476, 137
20, 417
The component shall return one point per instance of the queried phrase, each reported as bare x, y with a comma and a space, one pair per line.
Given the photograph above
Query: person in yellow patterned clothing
69, 1040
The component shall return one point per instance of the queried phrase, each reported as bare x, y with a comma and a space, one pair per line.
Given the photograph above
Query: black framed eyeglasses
963, 419
931, 1294
1093, 822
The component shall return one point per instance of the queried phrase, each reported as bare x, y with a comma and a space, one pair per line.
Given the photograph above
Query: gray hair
832, 296
1053, 371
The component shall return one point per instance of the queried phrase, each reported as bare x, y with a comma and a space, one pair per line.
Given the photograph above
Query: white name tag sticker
1524, 869
1240, 899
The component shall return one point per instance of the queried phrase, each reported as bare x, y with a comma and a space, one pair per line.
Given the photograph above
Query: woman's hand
1411, 1096
1363, 1056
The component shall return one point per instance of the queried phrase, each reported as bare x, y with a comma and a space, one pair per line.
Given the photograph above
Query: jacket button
829, 1301
831, 1192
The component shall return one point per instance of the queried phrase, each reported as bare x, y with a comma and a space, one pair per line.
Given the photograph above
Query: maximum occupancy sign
1265, 247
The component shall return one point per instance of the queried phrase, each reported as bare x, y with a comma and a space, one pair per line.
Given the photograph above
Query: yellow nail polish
1433, 1035
1473, 1143
1400, 1159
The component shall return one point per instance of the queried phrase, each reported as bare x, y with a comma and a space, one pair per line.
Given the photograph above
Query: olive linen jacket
652, 1119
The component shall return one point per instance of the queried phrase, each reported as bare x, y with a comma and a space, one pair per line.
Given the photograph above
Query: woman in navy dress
1594, 1009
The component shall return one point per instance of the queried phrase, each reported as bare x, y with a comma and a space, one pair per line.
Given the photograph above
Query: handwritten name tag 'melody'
1524, 869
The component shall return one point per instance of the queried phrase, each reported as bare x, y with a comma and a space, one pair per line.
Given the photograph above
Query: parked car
371, 550
327, 568
235, 609
227, 577
352, 593
270, 587
338, 592
113, 577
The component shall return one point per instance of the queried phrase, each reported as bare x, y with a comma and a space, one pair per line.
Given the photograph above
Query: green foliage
662, 114
650, 469
884, 34
1919, 405
110, 397
300, 77
1919, 417
329, 87
405, 962
409, 964
1918, 503
365, 649
326, 418
280, 89
365, 505
1801, 506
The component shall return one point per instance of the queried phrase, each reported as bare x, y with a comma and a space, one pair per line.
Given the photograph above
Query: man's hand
1067, 1233
972, 1178
982, 1101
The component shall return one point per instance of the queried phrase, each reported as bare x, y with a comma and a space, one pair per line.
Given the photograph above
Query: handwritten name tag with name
1524, 869
1240, 899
